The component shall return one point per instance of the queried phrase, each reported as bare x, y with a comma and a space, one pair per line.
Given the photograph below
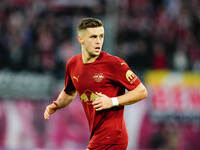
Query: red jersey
109, 75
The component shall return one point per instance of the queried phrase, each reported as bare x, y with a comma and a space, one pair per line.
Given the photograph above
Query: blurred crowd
37, 35
151, 34
160, 34
169, 134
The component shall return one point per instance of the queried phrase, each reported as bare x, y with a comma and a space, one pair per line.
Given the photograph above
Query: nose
98, 40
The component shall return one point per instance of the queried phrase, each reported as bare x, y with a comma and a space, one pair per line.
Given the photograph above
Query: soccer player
100, 80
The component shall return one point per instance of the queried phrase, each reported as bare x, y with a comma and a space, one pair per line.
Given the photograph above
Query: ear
80, 39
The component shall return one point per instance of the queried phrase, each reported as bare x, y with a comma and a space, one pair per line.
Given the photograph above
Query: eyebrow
97, 35
93, 35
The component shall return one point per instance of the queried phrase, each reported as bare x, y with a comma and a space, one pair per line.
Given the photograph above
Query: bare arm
105, 102
133, 96
63, 100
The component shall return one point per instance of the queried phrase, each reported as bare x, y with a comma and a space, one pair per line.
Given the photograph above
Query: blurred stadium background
159, 39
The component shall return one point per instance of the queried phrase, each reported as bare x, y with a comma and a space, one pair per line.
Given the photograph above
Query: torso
107, 126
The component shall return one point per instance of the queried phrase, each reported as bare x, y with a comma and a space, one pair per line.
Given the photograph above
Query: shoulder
73, 60
113, 60
115, 64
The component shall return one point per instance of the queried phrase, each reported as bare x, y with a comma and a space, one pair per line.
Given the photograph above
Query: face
92, 41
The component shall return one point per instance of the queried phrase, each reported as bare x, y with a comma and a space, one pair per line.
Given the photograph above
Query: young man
100, 80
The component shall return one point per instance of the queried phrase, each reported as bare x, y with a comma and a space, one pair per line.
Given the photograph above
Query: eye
93, 36
101, 36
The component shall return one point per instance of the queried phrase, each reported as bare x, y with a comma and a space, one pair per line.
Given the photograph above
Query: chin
96, 53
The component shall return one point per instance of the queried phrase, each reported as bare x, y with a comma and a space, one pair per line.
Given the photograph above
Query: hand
50, 109
102, 102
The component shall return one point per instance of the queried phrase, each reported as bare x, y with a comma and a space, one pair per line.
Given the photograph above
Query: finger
46, 115
48, 109
97, 106
46, 112
97, 101
99, 94
100, 108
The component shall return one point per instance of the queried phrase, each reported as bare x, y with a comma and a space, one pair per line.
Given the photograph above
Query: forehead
95, 31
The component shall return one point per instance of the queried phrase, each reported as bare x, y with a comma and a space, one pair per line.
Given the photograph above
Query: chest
90, 77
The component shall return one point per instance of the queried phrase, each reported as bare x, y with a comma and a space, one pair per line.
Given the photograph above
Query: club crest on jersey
130, 76
98, 77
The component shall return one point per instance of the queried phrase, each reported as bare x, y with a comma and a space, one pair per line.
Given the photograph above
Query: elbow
145, 93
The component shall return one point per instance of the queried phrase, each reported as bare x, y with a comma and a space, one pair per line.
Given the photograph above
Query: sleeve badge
130, 76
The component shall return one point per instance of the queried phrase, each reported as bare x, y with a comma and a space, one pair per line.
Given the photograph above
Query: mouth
97, 48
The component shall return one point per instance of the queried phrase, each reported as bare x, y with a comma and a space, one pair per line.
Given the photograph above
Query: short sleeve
124, 75
69, 86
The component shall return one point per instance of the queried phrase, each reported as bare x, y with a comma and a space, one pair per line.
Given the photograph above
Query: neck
88, 58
